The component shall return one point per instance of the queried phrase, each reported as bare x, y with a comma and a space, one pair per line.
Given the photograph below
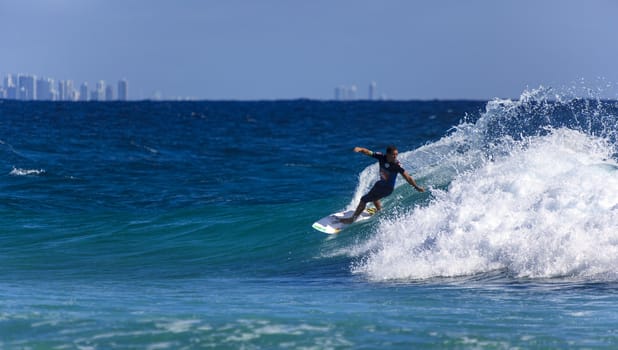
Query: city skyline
243, 50
30, 87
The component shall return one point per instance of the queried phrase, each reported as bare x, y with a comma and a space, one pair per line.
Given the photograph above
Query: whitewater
536, 201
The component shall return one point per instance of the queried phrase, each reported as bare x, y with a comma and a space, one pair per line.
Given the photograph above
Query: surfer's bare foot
346, 220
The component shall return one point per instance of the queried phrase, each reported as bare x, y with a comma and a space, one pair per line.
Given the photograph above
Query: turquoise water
180, 225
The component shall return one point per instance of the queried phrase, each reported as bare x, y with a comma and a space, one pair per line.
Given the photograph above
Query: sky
288, 49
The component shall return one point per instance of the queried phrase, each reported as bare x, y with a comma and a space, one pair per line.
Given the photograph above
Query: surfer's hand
420, 189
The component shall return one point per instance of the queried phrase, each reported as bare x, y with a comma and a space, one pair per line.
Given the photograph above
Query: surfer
389, 168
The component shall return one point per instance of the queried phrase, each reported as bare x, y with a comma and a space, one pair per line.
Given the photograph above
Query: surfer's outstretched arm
363, 151
412, 182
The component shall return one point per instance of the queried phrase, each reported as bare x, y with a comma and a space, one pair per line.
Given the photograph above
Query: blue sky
282, 49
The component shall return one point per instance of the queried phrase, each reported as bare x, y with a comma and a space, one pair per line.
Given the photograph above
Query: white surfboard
331, 224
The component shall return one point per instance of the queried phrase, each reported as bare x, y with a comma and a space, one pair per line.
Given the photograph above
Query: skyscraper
26, 88
71, 94
338, 93
342, 93
62, 90
345, 93
100, 91
66, 91
10, 87
83, 92
109, 93
372, 90
11, 92
123, 90
9, 81
45, 89
352, 92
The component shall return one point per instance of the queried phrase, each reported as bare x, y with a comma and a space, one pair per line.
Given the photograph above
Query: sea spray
530, 190
548, 210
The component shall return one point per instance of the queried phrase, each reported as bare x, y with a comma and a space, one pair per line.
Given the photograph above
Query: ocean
187, 225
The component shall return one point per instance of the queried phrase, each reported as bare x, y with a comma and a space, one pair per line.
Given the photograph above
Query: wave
200, 241
529, 188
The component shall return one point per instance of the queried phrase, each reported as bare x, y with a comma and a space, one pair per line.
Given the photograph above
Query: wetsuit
388, 175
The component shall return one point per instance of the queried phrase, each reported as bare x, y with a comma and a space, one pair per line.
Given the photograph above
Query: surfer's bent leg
377, 192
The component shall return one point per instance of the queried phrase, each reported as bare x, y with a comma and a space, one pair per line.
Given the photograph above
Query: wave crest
528, 189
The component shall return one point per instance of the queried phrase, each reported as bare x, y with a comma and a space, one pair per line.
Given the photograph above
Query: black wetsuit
388, 175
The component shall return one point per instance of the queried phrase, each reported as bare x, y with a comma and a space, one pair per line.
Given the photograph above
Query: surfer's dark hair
390, 149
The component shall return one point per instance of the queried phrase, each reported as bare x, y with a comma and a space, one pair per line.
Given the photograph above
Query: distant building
372, 90
11, 92
45, 89
83, 92
30, 88
344, 93
71, 93
62, 90
26, 88
338, 93
123, 90
10, 87
66, 91
9, 81
341, 93
352, 93
109, 93
100, 91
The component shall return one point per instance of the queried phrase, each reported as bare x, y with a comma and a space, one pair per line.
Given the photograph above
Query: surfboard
331, 224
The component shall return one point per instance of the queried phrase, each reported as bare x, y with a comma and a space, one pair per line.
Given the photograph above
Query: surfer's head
391, 153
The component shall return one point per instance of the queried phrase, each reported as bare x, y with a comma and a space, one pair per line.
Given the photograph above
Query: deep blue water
171, 225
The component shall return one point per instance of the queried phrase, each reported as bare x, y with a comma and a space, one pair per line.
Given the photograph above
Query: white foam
26, 172
547, 207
